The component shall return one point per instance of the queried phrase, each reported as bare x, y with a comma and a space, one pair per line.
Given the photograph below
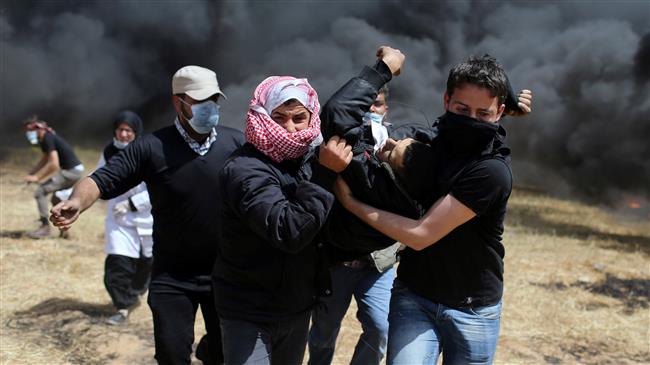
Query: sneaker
118, 318
42, 232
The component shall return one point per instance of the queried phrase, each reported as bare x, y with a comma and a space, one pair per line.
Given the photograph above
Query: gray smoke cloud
588, 63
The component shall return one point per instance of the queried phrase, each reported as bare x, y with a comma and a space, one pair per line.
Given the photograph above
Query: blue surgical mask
373, 117
379, 131
119, 144
32, 137
205, 116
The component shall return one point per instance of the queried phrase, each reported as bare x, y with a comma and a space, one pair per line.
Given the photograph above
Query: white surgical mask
119, 144
32, 137
379, 131
205, 116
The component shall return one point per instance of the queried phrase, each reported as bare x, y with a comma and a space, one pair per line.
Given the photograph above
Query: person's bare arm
85, 193
48, 164
38, 165
443, 217
51, 165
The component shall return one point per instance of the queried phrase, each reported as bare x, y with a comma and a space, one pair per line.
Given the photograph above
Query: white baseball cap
197, 82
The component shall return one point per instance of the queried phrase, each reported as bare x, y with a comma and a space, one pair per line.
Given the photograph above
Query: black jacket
182, 186
269, 267
370, 180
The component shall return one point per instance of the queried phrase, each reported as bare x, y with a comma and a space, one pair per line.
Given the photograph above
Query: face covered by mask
32, 137
205, 116
119, 144
379, 131
465, 134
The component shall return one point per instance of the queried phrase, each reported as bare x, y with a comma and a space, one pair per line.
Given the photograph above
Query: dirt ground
577, 286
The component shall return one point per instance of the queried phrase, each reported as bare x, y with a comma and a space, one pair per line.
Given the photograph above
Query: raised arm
342, 114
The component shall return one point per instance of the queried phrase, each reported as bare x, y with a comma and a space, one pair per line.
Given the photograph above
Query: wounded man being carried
397, 175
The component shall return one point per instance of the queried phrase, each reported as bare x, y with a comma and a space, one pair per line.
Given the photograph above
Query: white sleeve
141, 200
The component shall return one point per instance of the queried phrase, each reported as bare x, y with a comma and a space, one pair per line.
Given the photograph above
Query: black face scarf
464, 135
461, 140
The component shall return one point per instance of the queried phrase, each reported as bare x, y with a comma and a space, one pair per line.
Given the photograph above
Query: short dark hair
415, 174
384, 90
485, 72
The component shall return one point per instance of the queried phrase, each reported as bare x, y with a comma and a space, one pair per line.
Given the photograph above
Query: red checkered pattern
34, 124
271, 138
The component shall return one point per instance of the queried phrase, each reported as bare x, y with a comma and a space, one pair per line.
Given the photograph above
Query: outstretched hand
65, 213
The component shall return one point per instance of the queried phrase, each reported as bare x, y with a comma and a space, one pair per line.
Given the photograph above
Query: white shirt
129, 234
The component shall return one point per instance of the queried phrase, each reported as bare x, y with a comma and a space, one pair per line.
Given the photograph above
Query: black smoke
76, 63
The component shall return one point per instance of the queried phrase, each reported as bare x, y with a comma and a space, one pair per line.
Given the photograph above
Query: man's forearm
87, 192
45, 170
38, 165
402, 229
444, 216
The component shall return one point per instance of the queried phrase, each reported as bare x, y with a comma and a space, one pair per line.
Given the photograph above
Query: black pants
174, 301
126, 278
281, 343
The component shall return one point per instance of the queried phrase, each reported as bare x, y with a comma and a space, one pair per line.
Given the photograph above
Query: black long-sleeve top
182, 187
370, 180
270, 266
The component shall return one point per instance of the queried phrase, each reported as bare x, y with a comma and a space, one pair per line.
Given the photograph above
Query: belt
360, 263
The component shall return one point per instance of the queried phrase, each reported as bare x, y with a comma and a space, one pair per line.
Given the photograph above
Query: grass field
577, 285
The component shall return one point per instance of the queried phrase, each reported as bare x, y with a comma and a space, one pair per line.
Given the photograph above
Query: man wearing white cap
180, 164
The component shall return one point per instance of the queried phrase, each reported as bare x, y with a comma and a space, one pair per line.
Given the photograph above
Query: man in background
58, 162
180, 165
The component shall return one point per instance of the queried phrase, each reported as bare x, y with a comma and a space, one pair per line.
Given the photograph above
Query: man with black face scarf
180, 164
127, 229
447, 295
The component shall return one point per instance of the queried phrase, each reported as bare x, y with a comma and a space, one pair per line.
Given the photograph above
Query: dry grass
577, 286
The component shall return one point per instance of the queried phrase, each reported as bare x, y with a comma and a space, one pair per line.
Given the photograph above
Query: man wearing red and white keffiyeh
263, 128
274, 200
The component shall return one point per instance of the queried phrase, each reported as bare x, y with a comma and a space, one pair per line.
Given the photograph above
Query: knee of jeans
375, 323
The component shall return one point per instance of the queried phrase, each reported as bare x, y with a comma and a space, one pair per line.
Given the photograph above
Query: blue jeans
371, 290
420, 329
